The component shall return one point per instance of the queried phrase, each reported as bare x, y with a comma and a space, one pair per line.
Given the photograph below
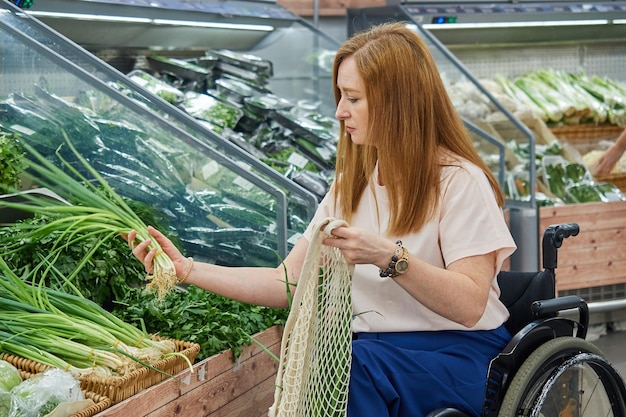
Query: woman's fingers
139, 249
148, 261
141, 252
130, 238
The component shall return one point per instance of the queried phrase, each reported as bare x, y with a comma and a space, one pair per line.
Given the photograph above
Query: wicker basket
586, 132
118, 389
101, 403
619, 180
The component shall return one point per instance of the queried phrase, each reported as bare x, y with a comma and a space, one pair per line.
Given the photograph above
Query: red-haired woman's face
352, 106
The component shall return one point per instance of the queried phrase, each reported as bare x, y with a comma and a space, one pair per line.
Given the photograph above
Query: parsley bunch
12, 161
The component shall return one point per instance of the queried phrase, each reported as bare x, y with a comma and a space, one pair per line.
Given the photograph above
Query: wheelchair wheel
565, 377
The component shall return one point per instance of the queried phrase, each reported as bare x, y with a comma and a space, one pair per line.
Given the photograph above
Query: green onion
70, 332
97, 210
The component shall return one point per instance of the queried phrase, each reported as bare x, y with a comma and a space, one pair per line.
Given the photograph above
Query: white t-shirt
468, 222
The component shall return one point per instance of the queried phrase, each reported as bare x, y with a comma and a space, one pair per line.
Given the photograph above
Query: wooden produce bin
597, 256
217, 387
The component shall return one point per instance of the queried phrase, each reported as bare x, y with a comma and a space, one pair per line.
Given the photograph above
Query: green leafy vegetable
97, 211
216, 323
9, 376
12, 161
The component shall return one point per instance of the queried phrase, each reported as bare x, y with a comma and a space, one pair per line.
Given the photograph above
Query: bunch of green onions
70, 332
95, 210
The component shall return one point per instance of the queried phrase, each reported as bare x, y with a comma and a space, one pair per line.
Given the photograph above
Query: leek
516, 93
552, 108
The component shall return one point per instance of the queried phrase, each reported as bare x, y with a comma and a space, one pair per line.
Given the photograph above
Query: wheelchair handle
544, 308
553, 239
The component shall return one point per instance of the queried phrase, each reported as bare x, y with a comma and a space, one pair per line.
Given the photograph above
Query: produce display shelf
209, 171
586, 138
218, 386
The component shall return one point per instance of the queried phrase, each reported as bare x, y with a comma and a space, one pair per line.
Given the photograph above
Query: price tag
243, 183
298, 160
210, 169
22, 129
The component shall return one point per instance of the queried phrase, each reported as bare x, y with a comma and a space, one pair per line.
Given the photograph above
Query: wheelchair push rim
565, 377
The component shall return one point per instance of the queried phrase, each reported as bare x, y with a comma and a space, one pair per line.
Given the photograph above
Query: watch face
402, 265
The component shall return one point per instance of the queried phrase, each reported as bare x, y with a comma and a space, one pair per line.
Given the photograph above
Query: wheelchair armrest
544, 308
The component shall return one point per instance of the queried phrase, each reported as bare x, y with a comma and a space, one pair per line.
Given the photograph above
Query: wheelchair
548, 369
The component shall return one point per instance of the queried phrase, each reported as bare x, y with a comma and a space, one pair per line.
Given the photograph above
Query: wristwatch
402, 264
399, 262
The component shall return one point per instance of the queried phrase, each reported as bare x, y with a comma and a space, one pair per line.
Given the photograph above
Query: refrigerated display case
214, 48
226, 206
115, 29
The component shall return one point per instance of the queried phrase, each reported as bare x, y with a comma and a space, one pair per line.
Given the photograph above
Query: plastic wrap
9, 376
41, 394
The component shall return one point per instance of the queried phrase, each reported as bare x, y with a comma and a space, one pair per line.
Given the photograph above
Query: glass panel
224, 210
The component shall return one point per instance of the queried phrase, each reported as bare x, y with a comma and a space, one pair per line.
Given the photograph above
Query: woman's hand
607, 161
146, 255
361, 247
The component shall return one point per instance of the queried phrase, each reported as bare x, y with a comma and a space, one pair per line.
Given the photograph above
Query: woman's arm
459, 293
609, 158
253, 285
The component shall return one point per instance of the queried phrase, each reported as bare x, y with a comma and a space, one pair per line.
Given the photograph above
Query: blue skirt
411, 374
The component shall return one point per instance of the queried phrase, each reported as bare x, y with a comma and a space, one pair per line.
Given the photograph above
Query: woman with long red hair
426, 235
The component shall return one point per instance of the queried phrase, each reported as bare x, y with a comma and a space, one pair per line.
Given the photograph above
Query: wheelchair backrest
519, 290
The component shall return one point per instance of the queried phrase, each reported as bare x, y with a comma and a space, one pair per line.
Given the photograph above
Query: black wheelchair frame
544, 346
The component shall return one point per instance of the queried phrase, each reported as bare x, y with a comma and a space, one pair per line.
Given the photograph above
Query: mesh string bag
316, 348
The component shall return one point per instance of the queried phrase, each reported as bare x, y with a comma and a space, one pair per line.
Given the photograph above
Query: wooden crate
597, 256
217, 387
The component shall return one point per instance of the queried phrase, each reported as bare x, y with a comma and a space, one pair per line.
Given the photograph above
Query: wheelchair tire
565, 377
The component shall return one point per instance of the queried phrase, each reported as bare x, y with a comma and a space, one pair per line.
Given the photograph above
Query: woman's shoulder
452, 165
